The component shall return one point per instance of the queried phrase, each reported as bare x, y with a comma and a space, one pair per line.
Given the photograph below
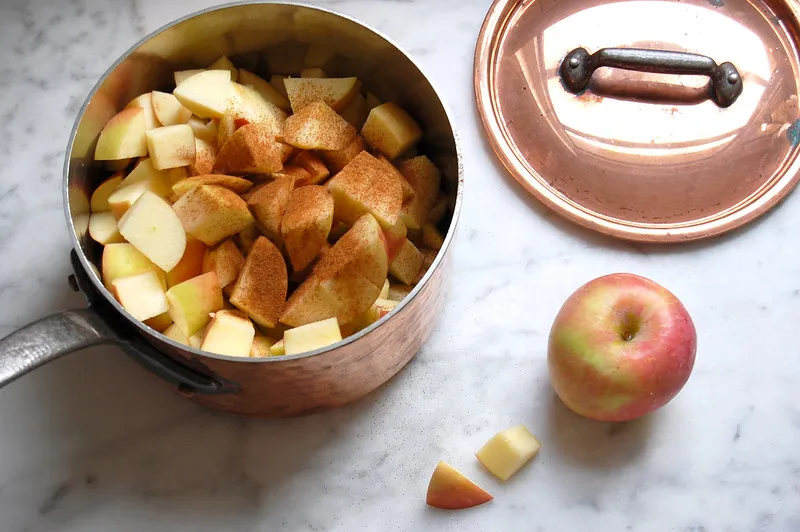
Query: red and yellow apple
449, 489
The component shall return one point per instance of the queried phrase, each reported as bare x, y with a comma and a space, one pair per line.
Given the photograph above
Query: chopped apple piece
306, 223
356, 112
171, 146
277, 81
223, 63
261, 288
405, 186
261, 347
426, 179
298, 175
204, 159
378, 310
265, 89
406, 265
103, 228
395, 239
338, 159
124, 260
174, 332
398, 292
161, 323
153, 228
145, 101
247, 237
163, 179
431, 237
372, 101
366, 185
390, 130
437, 212
385, 290
206, 94
141, 295
317, 127
169, 110
226, 261
508, 451
311, 336
249, 107
269, 205
192, 302
335, 92
99, 202
212, 213
183, 75
317, 171
205, 130
190, 265
278, 349
123, 137
451, 490
230, 333
252, 149
236, 184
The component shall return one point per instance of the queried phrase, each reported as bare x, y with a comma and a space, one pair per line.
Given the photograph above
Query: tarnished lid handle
578, 66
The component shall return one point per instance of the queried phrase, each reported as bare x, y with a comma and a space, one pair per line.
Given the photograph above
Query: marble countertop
90, 443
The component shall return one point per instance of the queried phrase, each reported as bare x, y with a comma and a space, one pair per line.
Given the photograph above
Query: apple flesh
141, 295
426, 179
190, 265
223, 63
269, 203
169, 110
261, 346
252, 149
390, 130
338, 159
621, 347
311, 336
212, 213
366, 185
192, 302
99, 201
306, 224
206, 94
205, 157
103, 228
226, 261
123, 137
171, 146
317, 127
230, 333
449, 489
153, 228
124, 260
261, 288
508, 451
145, 101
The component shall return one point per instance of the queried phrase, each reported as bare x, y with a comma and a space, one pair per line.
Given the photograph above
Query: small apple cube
385, 290
192, 302
236, 184
230, 333
171, 146
508, 451
206, 94
338, 159
164, 179
407, 264
145, 101
312, 336
252, 149
317, 171
169, 110
161, 323
263, 284
317, 127
124, 260
190, 265
334, 92
438, 210
204, 159
182, 75
366, 185
173, 332
306, 224
223, 63
103, 228
121, 200
141, 295
226, 261
405, 186
269, 203
99, 202
265, 89
261, 347
196, 340
396, 237
431, 236
449, 489
154, 229
278, 349
212, 214
206, 130
390, 130
123, 137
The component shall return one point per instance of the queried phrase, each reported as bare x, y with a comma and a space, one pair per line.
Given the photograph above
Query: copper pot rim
144, 329
533, 182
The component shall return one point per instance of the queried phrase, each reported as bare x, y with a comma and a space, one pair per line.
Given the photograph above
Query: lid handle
578, 66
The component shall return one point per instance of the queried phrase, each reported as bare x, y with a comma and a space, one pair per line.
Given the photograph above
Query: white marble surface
91, 444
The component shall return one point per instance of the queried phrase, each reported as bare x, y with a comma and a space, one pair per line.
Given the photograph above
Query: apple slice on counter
365, 185
338, 159
206, 94
317, 127
169, 110
236, 184
252, 149
262, 286
99, 201
407, 264
212, 213
223, 63
145, 101
230, 333
261, 347
124, 260
171, 146
269, 203
182, 75
426, 179
306, 223
311, 336
103, 228
192, 302
508, 451
265, 89
390, 130
226, 261
449, 489
336, 93
154, 229
123, 137
141, 295
190, 265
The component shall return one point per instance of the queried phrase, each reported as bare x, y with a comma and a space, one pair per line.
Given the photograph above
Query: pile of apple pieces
263, 218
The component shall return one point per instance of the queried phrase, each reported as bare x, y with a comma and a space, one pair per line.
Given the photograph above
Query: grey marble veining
91, 443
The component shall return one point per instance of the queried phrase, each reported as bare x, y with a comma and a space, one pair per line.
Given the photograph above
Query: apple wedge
173, 332
103, 228
317, 127
171, 146
123, 137
223, 63
206, 130
161, 323
163, 179
206, 94
426, 179
212, 213
378, 310
278, 349
141, 295
313, 165
169, 110
268, 205
508, 451
190, 265
365, 185
356, 112
306, 223
182, 75
261, 288
192, 302
407, 264
395, 239
390, 130
261, 346
204, 159
99, 201
230, 333
226, 261
252, 149
145, 101
338, 159
236, 184
154, 229
123, 198
124, 260
334, 92
246, 238
405, 186
265, 89
311, 336
247, 106
451, 490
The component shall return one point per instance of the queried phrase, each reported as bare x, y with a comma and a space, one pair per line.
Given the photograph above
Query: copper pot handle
578, 66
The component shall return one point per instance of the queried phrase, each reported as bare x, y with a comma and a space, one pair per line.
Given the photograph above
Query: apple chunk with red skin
317, 127
621, 347
212, 213
123, 137
449, 489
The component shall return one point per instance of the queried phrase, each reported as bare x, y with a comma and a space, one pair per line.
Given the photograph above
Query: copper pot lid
657, 121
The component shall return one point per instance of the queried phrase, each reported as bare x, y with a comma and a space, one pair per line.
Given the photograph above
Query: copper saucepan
281, 386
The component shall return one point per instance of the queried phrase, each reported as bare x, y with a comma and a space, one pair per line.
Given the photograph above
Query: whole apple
621, 347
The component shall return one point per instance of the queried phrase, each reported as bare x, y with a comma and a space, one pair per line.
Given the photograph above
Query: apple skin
622, 346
